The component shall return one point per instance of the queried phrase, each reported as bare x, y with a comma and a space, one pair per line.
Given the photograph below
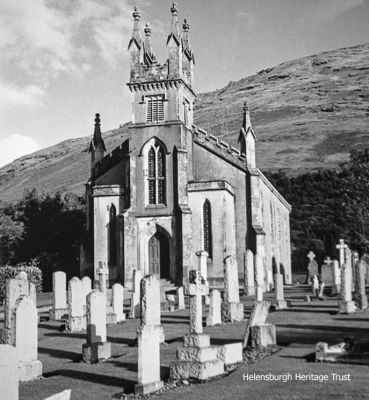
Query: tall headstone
76, 306
341, 247
150, 300
60, 308
117, 302
24, 338
279, 301
315, 287
346, 305
103, 274
232, 309
180, 299
196, 359
96, 347
327, 272
336, 287
8, 372
14, 289
313, 268
215, 315
360, 297
249, 273
203, 263
135, 295
87, 285
259, 276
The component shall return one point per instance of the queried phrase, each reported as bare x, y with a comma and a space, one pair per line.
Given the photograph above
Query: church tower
162, 92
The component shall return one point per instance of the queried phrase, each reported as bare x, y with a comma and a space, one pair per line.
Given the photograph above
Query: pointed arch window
208, 237
156, 175
112, 235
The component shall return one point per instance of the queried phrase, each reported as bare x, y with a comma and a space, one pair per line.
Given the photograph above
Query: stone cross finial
342, 246
147, 29
174, 9
328, 261
136, 14
311, 256
186, 26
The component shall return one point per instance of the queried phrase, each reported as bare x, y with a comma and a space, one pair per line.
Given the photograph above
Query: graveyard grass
298, 330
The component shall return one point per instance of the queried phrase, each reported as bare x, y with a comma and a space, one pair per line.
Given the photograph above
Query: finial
147, 30
245, 107
186, 26
174, 9
97, 119
136, 14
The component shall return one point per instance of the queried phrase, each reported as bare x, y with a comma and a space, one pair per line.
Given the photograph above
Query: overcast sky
61, 61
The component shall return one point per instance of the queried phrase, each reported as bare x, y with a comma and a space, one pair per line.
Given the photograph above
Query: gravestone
215, 314
341, 247
87, 285
117, 299
203, 263
103, 275
336, 287
24, 337
327, 272
96, 347
135, 295
260, 333
180, 299
249, 275
8, 372
354, 262
60, 308
259, 276
14, 289
365, 260
76, 306
315, 286
321, 291
346, 305
150, 300
360, 297
313, 268
279, 302
196, 359
148, 339
232, 309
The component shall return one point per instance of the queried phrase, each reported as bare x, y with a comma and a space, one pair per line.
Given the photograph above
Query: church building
172, 190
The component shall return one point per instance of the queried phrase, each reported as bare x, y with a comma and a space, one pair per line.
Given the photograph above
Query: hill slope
307, 114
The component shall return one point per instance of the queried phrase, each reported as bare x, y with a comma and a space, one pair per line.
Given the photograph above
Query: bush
32, 270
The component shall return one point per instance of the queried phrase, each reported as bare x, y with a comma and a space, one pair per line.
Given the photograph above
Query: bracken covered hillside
307, 114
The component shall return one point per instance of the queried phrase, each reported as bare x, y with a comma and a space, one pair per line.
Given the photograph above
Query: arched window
208, 239
112, 235
156, 175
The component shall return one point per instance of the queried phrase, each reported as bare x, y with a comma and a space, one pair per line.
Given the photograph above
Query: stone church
172, 190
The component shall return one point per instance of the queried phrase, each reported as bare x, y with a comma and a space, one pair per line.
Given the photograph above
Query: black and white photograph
184, 199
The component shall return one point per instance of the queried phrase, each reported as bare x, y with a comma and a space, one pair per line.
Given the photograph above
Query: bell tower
162, 92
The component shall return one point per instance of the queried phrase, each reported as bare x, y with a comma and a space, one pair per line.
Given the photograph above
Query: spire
97, 139
149, 56
246, 138
136, 31
246, 123
174, 31
186, 39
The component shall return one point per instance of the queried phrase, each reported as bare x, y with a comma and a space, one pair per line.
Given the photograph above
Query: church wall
223, 227
207, 167
113, 176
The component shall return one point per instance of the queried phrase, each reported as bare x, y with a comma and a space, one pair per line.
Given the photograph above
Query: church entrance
159, 256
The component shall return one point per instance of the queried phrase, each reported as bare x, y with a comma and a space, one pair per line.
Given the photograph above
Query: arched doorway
159, 256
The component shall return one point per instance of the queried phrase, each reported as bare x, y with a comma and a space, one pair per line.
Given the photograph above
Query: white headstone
150, 300
203, 263
103, 274
231, 284
65, 395
59, 290
8, 372
76, 298
117, 301
135, 295
336, 277
249, 273
215, 316
346, 282
87, 285
96, 317
341, 247
278, 287
180, 299
259, 276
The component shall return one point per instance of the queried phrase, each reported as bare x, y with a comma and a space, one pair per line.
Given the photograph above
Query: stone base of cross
103, 274
196, 288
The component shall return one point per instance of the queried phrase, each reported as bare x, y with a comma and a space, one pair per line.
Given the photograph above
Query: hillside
307, 114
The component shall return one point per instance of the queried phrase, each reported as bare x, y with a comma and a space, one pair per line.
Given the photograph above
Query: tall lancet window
112, 238
156, 175
208, 237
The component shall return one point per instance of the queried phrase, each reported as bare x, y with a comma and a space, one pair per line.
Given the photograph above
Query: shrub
31, 268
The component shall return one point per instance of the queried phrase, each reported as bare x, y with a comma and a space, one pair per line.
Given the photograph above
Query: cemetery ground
298, 330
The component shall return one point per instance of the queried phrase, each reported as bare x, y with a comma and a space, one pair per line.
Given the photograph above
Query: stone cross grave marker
311, 255
328, 261
341, 247
24, 338
195, 290
96, 347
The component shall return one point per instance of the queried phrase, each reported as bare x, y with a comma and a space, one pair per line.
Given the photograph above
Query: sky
61, 61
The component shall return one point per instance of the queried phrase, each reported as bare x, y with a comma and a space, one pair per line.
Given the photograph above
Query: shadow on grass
94, 378
75, 357
332, 329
